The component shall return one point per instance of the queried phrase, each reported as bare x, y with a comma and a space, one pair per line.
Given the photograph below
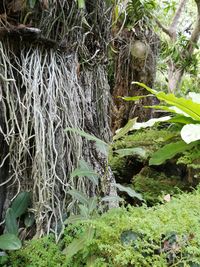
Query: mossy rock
149, 140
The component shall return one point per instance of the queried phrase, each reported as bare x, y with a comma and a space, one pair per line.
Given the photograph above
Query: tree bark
131, 66
53, 79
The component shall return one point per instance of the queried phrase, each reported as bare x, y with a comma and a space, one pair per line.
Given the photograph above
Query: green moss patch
165, 235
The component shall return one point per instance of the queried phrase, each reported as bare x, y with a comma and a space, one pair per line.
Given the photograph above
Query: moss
149, 140
41, 252
153, 185
165, 235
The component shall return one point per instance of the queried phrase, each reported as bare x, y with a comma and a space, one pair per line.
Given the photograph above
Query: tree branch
196, 32
171, 31
175, 21
163, 28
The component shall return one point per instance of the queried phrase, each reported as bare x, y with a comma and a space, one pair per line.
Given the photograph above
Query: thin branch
177, 15
171, 31
163, 28
196, 32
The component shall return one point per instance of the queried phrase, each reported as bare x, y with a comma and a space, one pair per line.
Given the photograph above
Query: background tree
136, 48
182, 46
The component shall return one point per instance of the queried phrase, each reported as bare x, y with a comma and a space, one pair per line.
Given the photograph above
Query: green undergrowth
153, 185
134, 170
149, 140
164, 235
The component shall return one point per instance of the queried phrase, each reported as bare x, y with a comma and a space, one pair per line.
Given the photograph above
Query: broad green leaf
11, 222
80, 243
138, 151
149, 123
121, 132
85, 170
129, 191
171, 109
185, 105
79, 196
84, 134
190, 133
10, 242
21, 203
91, 175
183, 120
168, 152
101, 145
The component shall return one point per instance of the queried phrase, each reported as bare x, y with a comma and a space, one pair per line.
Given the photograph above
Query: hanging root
45, 91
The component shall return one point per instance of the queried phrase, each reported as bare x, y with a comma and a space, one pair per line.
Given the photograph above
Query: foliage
154, 185
166, 235
186, 112
38, 253
138, 10
9, 240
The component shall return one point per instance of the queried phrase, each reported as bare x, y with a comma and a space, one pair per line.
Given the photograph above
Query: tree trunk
174, 77
54, 77
135, 61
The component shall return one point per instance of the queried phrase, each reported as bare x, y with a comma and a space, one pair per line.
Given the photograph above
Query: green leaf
86, 171
92, 204
74, 219
29, 219
186, 105
81, 4
138, 151
10, 242
182, 119
134, 98
84, 211
11, 222
169, 151
21, 203
80, 243
103, 146
121, 132
79, 196
129, 191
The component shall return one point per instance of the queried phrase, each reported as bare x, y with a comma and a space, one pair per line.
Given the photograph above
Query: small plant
9, 240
